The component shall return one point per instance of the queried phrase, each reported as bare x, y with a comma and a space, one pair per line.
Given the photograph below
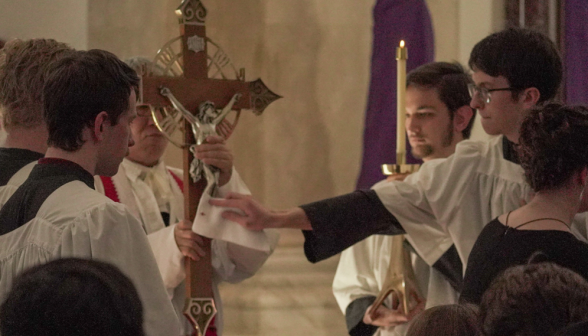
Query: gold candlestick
400, 279
400, 167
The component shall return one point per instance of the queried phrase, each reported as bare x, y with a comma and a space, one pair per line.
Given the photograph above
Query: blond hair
23, 70
144, 66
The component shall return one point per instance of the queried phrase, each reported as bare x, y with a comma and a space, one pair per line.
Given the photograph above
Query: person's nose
476, 102
412, 125
131, 141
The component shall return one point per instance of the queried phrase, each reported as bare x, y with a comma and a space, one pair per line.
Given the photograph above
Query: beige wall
63, 20
315, 53
131, 28
306, 146
459, 25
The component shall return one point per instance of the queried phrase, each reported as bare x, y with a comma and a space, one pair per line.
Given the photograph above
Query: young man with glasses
447, 201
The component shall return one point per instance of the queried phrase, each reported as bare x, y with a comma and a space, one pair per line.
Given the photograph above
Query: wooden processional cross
191, 89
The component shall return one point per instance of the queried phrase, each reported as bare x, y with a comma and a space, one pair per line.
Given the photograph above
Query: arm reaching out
178, 106
254, 216
227, 109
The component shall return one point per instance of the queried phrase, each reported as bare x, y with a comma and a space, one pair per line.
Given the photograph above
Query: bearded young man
438, 117
153, 193
89, 103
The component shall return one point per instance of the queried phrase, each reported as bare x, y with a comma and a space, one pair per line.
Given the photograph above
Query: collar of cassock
50, 167
509, 151
23, 154
155, 177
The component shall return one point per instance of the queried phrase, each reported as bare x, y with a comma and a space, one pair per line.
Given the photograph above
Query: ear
101, 122
462, 117
530, 97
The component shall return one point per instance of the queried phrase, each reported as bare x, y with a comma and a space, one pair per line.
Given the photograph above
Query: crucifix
191, 96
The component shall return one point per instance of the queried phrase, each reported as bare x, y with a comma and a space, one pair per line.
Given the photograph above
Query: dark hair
575, 329
535, 299
447, 320
450, 80
79, 87
70, 297
23, 71
526, 58
553, 145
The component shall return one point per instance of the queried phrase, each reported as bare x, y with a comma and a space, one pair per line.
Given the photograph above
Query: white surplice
362, 271
448, 201
76, 221
148, 191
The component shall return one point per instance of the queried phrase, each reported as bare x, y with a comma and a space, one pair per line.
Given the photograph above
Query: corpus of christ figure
192, 87
203, 125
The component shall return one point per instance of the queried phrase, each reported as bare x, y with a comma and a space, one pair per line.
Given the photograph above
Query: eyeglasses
143, 110
485, 94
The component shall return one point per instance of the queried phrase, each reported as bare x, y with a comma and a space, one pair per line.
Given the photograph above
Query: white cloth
231, 262
362, 271
76, 221
227, 230
450, 200
15, 181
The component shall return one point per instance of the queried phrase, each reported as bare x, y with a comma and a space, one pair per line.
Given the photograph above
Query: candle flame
401, 43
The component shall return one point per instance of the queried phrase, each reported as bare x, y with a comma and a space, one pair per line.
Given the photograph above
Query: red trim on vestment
178, 180
109, 188
211, 331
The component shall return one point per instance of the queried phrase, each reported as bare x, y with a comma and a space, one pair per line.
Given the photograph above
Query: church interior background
306, 146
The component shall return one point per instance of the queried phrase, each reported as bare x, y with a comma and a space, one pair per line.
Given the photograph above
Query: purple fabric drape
576, 51
394, 20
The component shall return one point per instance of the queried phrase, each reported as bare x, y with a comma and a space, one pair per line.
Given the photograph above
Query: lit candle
401, 57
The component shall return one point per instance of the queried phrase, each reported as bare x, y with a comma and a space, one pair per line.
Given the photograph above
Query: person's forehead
481, 78
423, 97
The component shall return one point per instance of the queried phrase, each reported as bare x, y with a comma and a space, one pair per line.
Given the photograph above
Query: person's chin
420, 151
489, 127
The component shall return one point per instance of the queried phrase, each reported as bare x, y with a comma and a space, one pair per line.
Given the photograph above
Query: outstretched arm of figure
257, 217
331, 225
227, 109
178, 106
